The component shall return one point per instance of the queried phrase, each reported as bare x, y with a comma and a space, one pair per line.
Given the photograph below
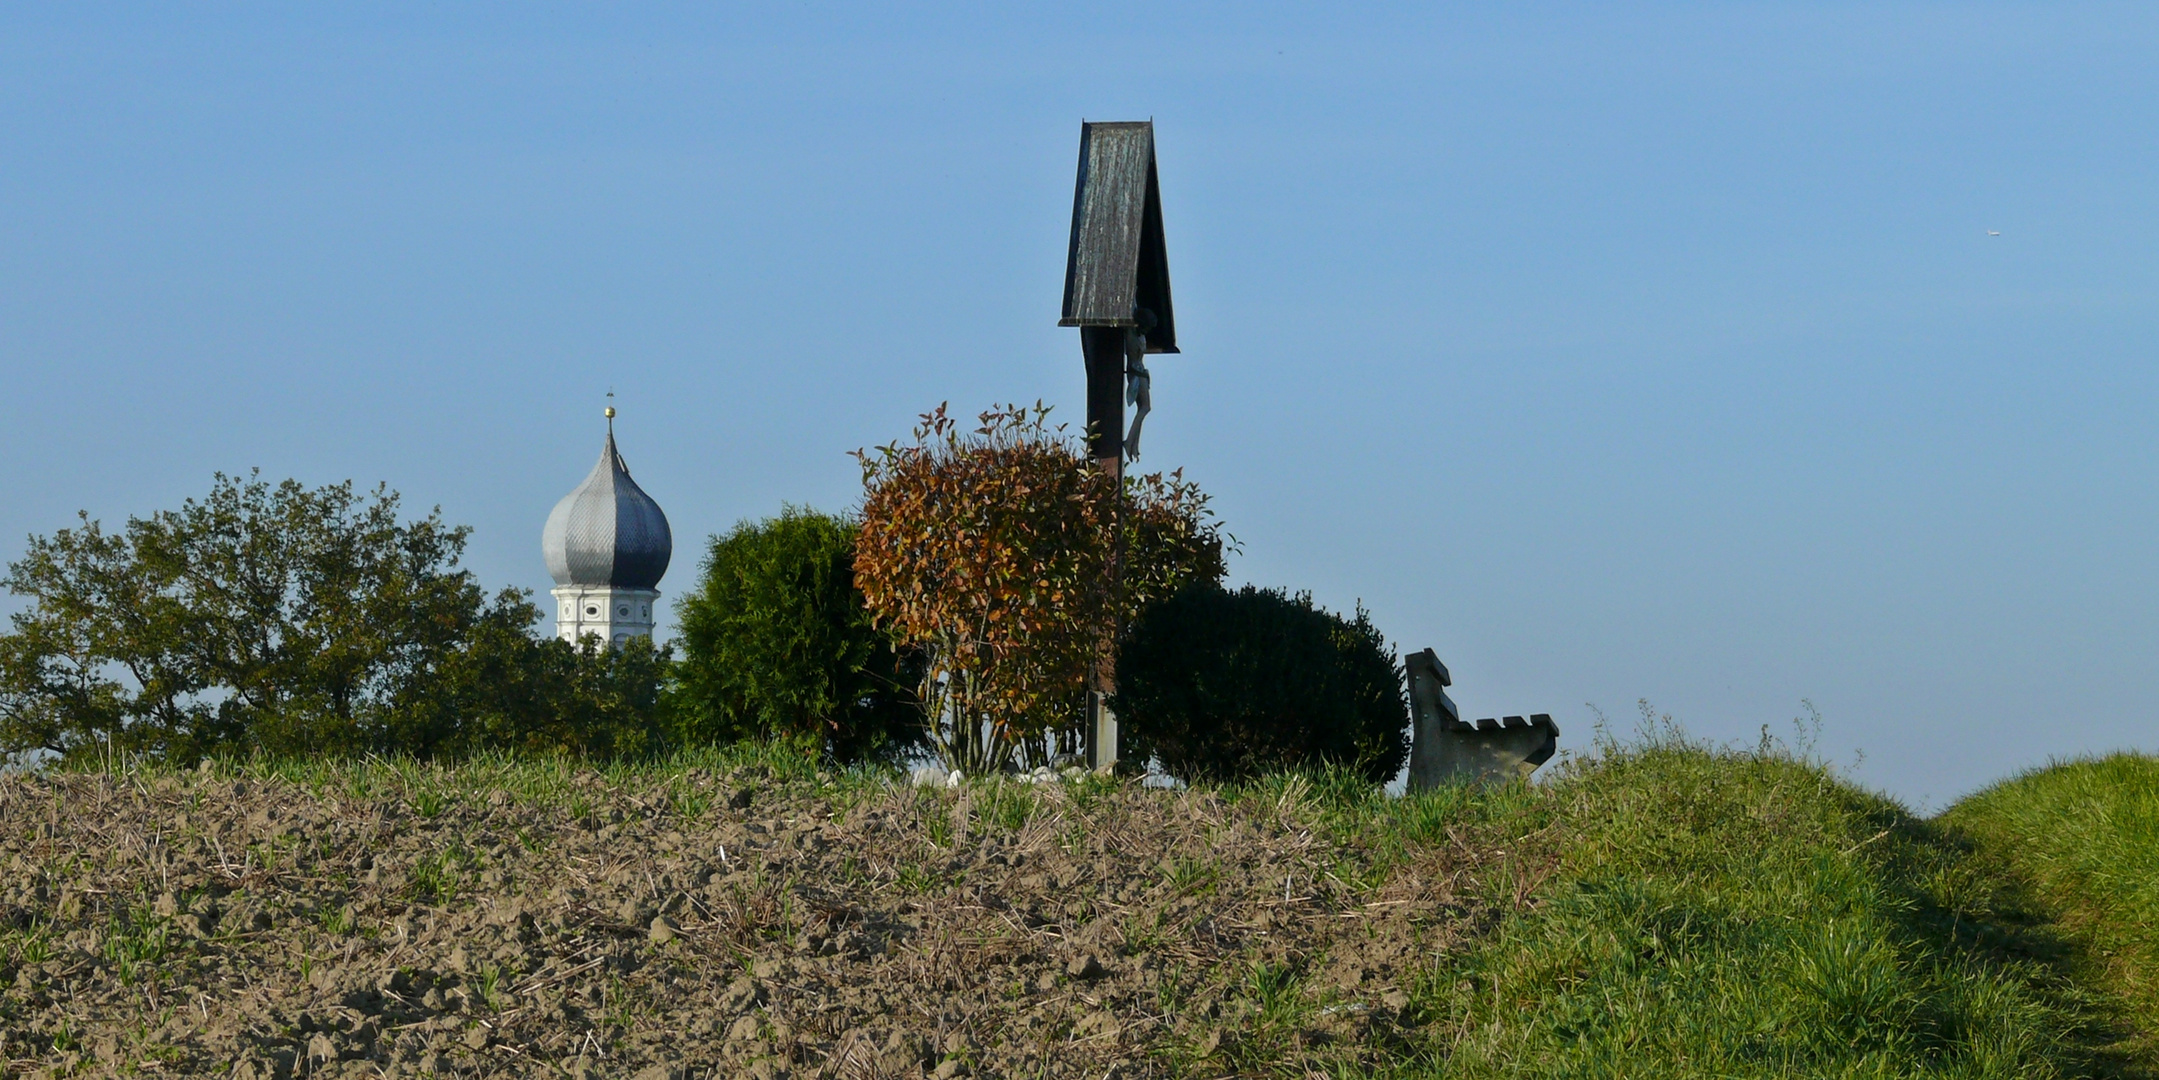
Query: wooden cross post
1117, 293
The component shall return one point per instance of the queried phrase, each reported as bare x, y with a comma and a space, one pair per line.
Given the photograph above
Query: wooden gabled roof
1118, 262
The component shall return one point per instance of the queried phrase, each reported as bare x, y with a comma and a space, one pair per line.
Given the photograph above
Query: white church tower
607, 545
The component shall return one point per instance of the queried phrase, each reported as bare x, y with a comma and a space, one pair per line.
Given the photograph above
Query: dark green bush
777, 644
1226, 686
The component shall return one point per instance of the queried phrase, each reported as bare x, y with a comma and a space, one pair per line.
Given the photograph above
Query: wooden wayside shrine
1117, 293
1117, 273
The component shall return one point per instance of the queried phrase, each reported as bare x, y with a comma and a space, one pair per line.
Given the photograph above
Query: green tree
777, 643
275, 616
290, 620
1221, 685
504, 690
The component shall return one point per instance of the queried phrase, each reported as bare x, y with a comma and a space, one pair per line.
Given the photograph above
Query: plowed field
522, 921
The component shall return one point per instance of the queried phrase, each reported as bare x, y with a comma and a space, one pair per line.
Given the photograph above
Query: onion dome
608, 532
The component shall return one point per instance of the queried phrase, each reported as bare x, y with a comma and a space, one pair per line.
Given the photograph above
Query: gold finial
610, 412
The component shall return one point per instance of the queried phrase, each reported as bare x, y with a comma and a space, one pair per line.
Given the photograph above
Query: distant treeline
283, 620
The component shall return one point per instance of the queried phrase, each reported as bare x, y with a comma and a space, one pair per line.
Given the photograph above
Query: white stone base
1102, 745
613, 615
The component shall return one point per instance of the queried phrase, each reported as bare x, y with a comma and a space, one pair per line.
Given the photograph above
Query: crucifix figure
1138, 386
1117, 294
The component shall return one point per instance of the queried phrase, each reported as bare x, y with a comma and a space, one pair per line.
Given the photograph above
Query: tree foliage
777, 643
994, 552
1225, 686
504, 690
287, 620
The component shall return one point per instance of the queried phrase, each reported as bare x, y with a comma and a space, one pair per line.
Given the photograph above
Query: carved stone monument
1445, 749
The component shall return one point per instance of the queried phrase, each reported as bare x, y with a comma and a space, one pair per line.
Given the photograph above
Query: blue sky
1616, 351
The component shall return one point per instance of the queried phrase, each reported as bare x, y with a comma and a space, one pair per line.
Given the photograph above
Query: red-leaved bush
1010, 560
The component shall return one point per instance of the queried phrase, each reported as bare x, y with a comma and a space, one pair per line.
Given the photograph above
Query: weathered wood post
1117, 293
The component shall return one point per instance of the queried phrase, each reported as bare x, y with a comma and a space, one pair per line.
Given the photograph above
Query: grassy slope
1723, 914
2083, 839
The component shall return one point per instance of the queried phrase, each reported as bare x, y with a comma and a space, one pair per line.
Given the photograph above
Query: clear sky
1616, 351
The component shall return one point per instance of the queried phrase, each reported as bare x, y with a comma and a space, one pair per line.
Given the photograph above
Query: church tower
607, 545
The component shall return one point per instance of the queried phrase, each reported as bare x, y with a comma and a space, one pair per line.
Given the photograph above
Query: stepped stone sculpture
1445, 749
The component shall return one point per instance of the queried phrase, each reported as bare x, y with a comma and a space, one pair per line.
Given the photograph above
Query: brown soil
711, 925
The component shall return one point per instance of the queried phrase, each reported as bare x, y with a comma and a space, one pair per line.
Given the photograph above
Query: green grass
1713, 913
430, 789
434, 879
136, 942
2081, 838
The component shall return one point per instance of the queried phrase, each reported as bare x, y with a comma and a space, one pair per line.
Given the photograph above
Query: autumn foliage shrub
1009, 559
1227, 686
